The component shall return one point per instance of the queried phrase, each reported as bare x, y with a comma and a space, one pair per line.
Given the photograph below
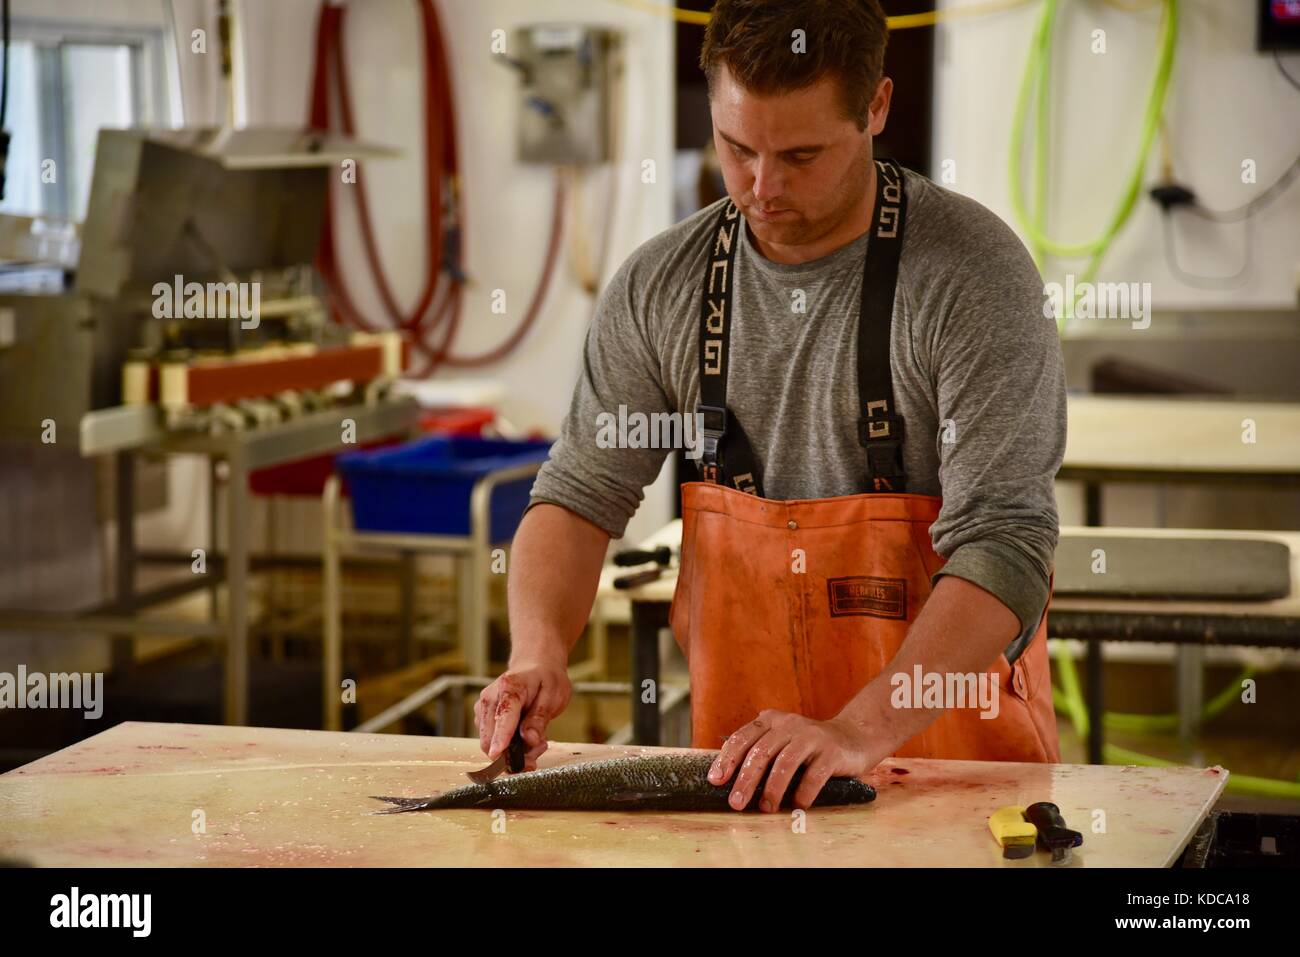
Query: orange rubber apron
797, 605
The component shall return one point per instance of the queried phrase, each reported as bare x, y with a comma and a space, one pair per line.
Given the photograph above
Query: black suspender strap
880, 427
727, 457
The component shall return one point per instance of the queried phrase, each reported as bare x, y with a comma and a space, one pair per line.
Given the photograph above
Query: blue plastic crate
424, 488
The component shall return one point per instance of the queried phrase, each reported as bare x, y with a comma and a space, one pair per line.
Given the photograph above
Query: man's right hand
537, 691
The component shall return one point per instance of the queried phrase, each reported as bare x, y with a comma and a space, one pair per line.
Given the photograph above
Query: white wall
115, 12
1226, 103
507, 205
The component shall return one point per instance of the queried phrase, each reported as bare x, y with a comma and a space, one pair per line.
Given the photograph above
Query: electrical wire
899, 22
4, 67
1233, 281
907, 21
1247, 210
1036, 81
698, 17
1277, 58
1244, 213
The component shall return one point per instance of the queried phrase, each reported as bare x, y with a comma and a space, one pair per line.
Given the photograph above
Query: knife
511, 759
1052, 832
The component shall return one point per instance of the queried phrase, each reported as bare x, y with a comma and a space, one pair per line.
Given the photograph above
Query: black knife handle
1052, 832
638, 578
663, 555
517, 751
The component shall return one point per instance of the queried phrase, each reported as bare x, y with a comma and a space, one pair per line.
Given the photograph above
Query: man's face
793, 163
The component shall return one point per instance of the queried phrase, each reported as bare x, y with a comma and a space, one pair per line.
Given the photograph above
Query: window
66, 81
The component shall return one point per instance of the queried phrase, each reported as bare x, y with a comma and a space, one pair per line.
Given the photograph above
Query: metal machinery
194, 327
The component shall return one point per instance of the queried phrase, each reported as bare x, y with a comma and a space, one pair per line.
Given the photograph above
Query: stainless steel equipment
238, 207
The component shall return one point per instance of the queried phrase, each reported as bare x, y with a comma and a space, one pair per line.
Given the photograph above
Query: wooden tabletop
270, 797
1181, 438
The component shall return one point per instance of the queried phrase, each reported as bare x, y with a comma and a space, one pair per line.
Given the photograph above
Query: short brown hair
755, 38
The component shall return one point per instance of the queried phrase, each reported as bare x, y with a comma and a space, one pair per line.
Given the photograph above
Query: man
884, 412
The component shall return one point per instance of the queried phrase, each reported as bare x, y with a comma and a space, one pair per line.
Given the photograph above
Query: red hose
539, 295
441, 162
329, 52
327, 34
433, 156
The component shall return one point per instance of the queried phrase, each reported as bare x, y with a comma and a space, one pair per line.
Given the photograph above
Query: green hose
1070, 693
1036, 81
1069, 700
1238, 783
1169, 722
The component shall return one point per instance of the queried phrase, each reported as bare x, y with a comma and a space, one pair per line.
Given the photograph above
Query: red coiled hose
431, 326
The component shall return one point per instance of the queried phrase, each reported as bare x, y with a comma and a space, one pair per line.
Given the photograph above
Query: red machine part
235, 379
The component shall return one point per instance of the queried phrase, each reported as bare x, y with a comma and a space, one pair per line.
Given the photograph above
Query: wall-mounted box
566, 77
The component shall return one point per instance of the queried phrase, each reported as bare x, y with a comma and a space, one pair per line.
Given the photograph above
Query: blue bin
424, 487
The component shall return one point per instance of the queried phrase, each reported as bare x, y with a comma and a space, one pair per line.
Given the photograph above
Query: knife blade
511, 759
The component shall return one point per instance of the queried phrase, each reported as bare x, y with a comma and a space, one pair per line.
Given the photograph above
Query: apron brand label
865, 595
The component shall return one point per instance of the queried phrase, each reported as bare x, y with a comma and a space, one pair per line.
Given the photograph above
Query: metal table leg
332, 612
474, 589
122, 655
1096, 703
647, 619
236, 703
465, 614
1096, 691
214, 589
406, 604
477, 640
1189, 667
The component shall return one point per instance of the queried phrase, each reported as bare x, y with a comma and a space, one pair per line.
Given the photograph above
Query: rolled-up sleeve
603, 482
1000, 392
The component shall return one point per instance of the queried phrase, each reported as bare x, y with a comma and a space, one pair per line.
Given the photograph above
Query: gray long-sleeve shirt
977, 369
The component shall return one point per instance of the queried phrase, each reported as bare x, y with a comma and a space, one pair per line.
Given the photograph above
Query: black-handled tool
1052, 832
511, 759
663, 555
638, 578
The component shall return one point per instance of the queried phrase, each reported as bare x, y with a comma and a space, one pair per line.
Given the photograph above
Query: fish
667, 782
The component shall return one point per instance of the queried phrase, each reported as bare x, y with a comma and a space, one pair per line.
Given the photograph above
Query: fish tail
404, 804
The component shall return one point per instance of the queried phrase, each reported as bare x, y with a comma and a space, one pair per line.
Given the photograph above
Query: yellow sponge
1010, 829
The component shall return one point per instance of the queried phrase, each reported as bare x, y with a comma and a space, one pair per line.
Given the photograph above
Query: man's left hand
786, 742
